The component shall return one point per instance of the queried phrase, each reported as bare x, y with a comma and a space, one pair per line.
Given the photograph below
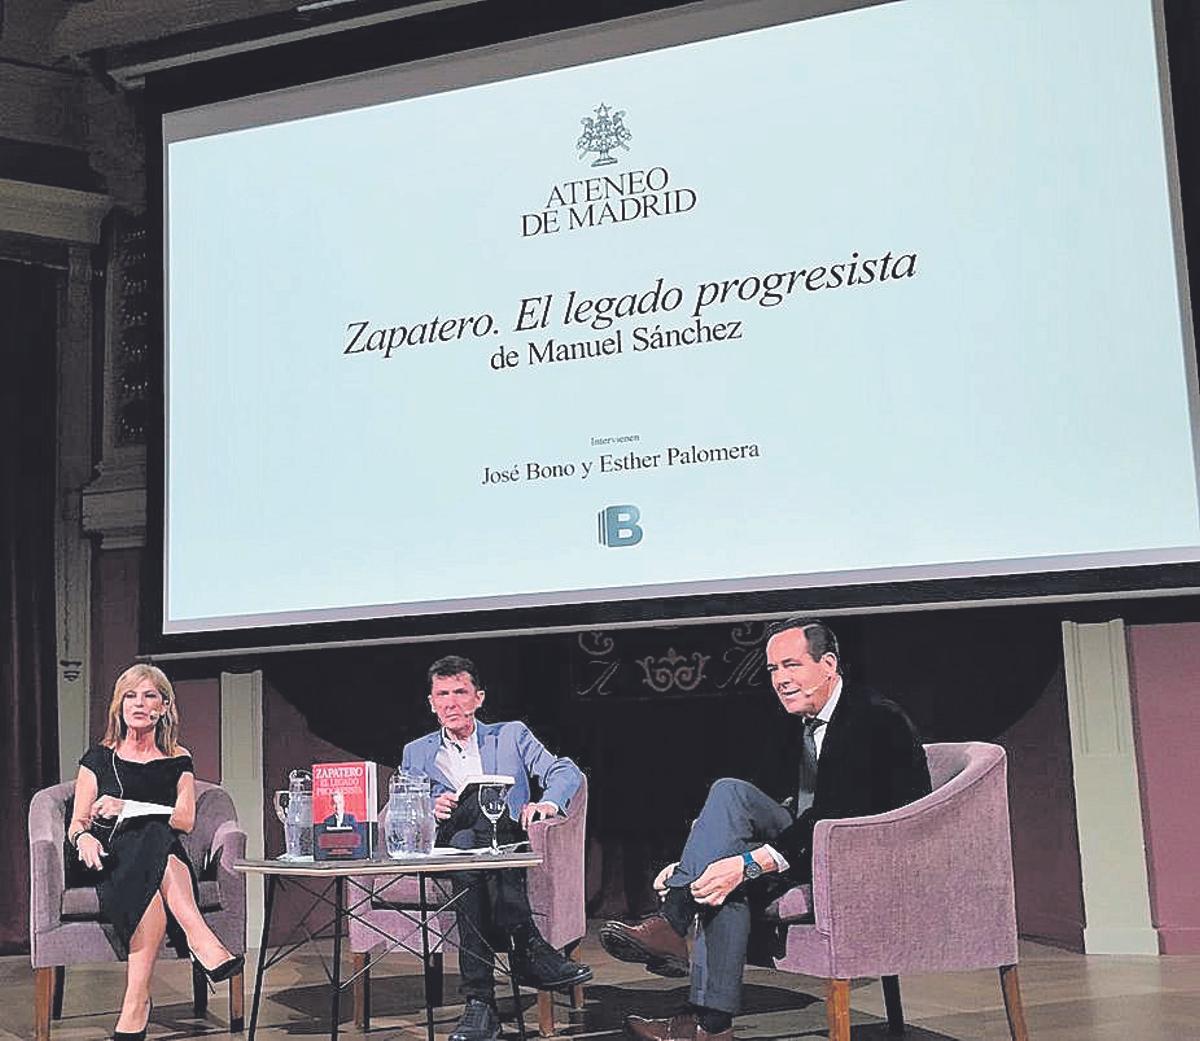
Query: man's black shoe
536, 964
479, 1022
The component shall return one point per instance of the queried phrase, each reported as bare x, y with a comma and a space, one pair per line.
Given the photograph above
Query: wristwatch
750, 867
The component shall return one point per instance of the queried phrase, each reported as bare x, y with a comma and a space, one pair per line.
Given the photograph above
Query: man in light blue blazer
492, 906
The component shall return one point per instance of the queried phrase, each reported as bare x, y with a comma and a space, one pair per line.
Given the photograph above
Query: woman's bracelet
78, 835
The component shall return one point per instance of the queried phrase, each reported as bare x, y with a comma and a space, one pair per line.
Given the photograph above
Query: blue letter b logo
619, 526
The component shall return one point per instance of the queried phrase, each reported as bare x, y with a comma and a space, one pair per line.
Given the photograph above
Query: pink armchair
925, 888
556, 896
64, 927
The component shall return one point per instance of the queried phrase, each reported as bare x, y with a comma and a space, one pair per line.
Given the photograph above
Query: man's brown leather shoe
651, 942
682, 1027
678, 1028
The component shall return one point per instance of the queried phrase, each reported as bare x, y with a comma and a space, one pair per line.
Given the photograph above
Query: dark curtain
28, 700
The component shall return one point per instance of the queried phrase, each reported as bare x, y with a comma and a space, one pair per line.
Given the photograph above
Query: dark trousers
737, 817
491, 905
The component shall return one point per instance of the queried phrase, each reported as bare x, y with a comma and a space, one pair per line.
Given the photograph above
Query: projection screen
720, 300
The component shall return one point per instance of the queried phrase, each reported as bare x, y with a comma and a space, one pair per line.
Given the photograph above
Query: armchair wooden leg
837, 1005
577, 990
237, 1003
891, 1002
60, 982
362, 990
43, 999
199, 992
1011, 988
545, 1005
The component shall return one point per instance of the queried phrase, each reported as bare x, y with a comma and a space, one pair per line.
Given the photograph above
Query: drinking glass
492, 804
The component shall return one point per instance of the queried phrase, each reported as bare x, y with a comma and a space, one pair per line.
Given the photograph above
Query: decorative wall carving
129, 292
114, 504
673, 671
116, 143
696, 661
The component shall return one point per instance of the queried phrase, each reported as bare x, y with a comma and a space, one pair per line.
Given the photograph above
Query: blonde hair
166, 731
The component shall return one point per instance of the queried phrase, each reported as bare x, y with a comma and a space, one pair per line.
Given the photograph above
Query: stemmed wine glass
492, 802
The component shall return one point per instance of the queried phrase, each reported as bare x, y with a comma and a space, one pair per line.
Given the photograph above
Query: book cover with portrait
345, 810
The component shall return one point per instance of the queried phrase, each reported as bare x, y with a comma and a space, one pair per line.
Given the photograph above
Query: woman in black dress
134, 795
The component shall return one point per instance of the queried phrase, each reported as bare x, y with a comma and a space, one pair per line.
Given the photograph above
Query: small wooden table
335, 874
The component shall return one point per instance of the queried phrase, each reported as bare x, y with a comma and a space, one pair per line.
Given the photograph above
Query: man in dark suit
340, 819
492, 906
856, 756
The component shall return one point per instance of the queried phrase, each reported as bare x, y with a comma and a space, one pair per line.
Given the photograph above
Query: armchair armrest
229, 846
46, 882
926, 887
556, 886
47, 869
548, 833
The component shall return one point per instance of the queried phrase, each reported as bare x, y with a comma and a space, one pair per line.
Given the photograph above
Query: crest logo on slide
618, 526
606, 197
602, 134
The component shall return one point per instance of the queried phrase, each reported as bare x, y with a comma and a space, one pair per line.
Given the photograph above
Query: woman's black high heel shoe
134, 1035
230, 967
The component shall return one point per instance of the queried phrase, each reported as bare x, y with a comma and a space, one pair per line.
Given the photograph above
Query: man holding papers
493, 906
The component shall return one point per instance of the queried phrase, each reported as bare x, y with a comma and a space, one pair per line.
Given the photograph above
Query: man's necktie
808, 764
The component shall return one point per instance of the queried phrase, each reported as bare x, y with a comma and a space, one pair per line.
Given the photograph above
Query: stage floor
1068, 997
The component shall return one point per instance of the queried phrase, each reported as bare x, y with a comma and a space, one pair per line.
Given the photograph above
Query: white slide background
1022, 396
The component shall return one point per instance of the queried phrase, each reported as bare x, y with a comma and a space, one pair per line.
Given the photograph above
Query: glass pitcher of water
294, 810
411, 827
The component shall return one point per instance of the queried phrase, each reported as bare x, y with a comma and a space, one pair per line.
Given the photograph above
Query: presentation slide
892, 293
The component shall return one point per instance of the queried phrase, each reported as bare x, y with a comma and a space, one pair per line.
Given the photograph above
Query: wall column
242, 776
1116, 888
73, 549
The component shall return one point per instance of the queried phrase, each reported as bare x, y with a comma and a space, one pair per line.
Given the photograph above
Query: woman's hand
90, 851
108, 806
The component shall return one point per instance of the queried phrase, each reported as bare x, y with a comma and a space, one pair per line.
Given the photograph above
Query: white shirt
826, 714
459, 760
